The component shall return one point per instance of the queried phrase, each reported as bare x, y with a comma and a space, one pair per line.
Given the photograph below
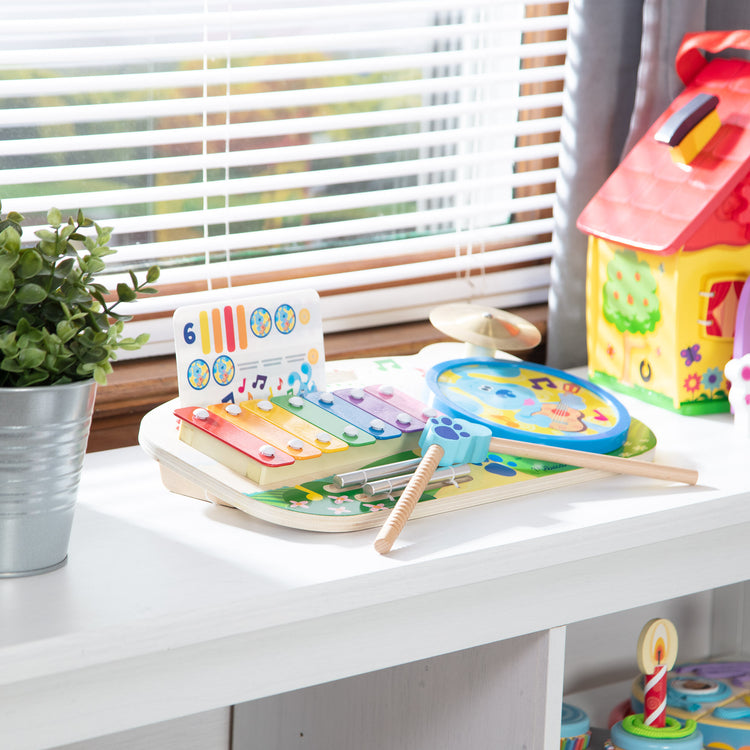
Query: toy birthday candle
657, 651
653, 729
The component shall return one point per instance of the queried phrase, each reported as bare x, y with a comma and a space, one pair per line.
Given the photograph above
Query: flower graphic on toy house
692, 382
711, 382
630, 303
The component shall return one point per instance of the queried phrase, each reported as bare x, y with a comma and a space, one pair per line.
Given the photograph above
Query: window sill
137, 386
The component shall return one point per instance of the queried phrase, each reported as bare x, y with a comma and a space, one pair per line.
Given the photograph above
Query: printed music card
256, 347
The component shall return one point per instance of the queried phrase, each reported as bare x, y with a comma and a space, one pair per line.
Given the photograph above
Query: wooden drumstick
444, 442
441, 449
587, 460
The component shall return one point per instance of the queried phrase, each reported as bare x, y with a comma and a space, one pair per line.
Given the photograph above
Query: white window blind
393, 154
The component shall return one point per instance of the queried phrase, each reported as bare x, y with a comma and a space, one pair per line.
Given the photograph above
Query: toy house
669, 244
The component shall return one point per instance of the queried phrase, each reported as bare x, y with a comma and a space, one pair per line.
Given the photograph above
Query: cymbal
487, 327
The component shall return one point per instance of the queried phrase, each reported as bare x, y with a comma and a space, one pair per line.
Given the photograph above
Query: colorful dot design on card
285, 319
260, 322
223, 370
198, 374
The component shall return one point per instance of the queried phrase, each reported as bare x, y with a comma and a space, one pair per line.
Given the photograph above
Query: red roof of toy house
653, 204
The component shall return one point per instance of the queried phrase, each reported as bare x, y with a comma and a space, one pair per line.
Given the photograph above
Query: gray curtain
620, 77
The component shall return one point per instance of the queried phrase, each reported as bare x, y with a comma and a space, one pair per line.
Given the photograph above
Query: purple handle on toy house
742, 324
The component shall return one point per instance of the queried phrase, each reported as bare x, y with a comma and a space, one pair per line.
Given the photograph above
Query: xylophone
290, 439
342, 460
354, 500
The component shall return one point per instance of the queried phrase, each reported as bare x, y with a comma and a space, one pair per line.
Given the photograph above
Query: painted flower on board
374, 506
339, 499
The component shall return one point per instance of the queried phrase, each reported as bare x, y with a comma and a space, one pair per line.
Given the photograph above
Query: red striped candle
657, 651
655, 700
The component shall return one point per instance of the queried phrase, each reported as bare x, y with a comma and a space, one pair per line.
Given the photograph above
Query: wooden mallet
442, 440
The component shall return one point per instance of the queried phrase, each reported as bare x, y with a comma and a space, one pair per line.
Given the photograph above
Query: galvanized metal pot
43, 436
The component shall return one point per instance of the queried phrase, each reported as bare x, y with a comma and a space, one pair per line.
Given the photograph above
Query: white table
170, 606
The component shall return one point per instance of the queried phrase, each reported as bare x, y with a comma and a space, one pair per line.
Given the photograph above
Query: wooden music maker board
318, 505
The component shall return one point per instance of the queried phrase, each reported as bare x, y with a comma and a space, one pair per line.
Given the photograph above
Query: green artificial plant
57, 323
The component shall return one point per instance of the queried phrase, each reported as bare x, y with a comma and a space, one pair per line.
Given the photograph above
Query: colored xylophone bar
287, 440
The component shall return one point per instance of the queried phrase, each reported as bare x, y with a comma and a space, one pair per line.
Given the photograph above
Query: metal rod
354, 478
390, 484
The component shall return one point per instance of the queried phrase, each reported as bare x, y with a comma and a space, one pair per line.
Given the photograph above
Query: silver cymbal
487, 327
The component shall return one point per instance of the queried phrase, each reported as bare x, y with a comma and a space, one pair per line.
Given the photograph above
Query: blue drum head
530, 402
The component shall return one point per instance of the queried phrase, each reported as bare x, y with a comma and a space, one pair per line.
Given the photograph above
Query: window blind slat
307, 178
326, 230
78, 14
220, 269
467, 237
263, 45
151, 109
309, 233
308, 125
270, 72
350, 279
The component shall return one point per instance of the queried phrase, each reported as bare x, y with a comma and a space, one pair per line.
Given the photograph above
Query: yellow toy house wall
644, 330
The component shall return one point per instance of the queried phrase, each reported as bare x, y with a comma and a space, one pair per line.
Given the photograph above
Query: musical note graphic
241, 388
260, 382
385, 364
310, 494
537, 383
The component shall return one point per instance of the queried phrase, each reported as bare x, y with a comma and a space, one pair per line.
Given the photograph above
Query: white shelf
170, 606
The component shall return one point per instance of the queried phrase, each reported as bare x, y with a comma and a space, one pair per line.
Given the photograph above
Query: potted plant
59, 332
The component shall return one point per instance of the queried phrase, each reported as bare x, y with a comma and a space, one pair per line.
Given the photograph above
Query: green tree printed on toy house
630, 302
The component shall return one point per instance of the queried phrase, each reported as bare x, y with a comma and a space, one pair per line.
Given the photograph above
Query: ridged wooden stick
401, 511
586, 460
582, 459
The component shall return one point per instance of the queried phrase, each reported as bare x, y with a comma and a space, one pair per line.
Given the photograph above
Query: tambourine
530, 402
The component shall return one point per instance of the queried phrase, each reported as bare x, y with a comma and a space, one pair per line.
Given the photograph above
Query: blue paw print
497, 466
462, 442
447, 429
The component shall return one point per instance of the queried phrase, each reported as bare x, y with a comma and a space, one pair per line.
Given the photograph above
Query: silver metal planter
43, 436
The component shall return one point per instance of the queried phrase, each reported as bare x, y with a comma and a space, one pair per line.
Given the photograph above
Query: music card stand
257, 347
